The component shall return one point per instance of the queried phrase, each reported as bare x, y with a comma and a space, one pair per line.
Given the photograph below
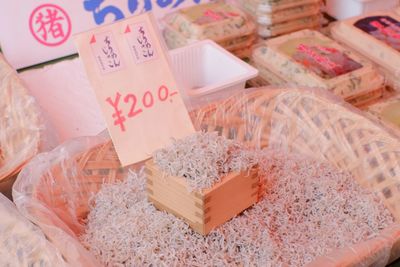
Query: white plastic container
343, 9
207, 72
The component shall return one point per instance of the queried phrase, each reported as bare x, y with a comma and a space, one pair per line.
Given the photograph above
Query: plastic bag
22, 127
54, 189
21, 242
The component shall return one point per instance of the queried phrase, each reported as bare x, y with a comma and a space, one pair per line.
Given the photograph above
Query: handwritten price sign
135, 107
129, 68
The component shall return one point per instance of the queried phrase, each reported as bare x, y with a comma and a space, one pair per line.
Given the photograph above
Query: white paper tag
140, 43
106, 52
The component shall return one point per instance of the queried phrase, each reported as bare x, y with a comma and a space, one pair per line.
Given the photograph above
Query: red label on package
140, 42
326, 62
106, 52
383, 28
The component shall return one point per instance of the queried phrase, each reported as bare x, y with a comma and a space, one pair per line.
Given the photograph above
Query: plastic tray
342, 9
204, 70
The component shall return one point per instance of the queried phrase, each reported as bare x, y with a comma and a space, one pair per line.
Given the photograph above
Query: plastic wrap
281, 17
225, 24
311, 22
269, 6
307, 58
22, 127
54, 189
22, 243
216, 21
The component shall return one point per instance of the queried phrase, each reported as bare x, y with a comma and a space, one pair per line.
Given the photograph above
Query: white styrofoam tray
343, 9
67, 98
207, 72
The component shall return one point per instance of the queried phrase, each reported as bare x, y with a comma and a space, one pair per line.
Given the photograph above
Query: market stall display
22, 243
54, 189
308, 58
21, 125
225, 24
282, 17
375, 36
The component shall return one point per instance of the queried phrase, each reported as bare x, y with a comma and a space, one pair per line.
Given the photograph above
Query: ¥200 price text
136, 104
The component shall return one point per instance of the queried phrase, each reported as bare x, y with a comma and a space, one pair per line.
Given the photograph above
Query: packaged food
374, 35
269, 6
308, 58
215, 21
21, 126
22, 243
267, 31
387, 110
268, 76
175, 39
287, 14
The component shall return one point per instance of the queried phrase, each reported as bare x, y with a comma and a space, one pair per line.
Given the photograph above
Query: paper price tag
129, 68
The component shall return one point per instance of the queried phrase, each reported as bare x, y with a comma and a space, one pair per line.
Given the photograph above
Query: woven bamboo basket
54, 191
20, 126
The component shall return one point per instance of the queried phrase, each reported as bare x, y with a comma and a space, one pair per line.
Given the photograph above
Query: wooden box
207, 209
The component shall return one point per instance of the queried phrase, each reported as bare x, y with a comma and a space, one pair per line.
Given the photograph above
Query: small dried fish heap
309, 209
277, 17
225, 24
203, 159
195, 178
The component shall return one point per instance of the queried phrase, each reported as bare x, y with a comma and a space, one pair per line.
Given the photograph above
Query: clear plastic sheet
21, 242
54, 189
22, 127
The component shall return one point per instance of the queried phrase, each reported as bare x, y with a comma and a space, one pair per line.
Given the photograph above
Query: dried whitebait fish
203, 159
310, 208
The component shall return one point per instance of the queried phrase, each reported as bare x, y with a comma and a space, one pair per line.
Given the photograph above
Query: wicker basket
20, 126
55, 188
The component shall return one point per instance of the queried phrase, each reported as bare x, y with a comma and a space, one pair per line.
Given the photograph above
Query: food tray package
268, 31
175, 39
376, 36
23, 130
215, 21
269, 77
308, 58
287, 14
54, 189
270, 6
22, 243
387, 110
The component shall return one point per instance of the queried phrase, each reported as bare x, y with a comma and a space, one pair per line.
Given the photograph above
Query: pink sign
50, 25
